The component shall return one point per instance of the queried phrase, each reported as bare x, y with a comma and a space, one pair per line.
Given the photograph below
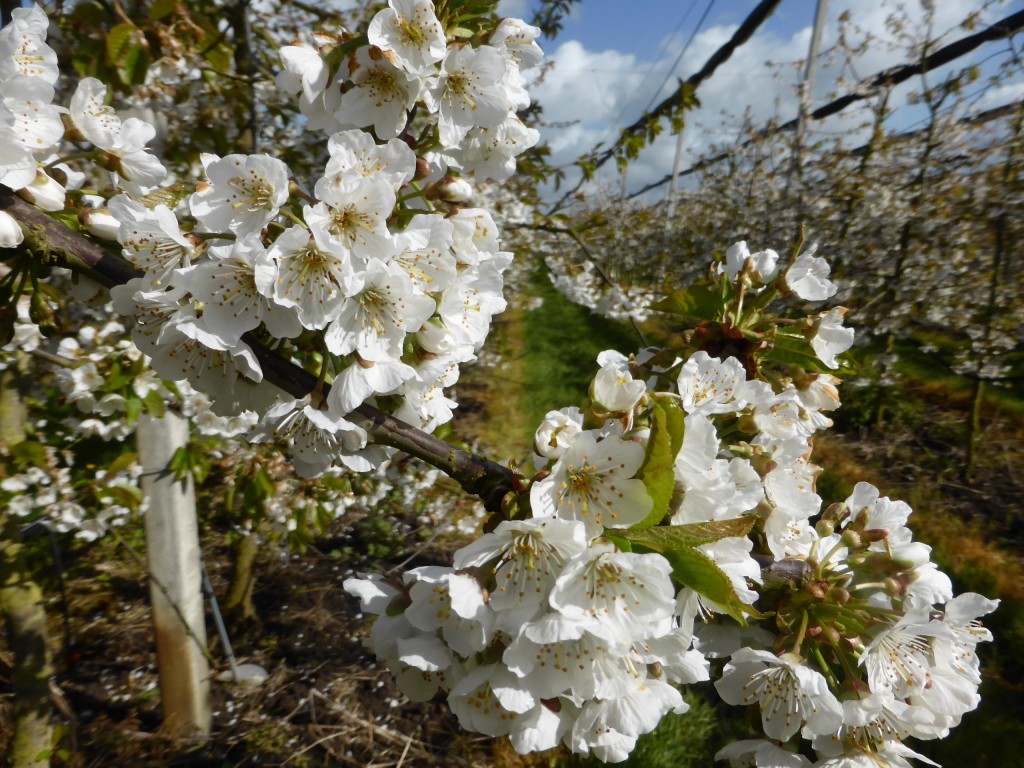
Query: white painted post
175, 586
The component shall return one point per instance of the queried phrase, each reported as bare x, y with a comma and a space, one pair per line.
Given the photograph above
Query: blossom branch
59, 244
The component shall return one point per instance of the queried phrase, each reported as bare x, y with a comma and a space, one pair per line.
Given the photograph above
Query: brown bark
238, 602
21, 606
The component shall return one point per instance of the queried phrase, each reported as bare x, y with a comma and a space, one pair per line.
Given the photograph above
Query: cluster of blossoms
473, 91
671, 518
48, 491
374, 278
585, 285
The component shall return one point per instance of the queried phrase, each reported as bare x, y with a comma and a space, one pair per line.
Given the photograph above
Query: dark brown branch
62, 246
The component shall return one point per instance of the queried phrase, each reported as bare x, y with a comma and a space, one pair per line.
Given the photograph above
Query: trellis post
175, 579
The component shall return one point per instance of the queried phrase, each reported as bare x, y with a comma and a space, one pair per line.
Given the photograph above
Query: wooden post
175, 586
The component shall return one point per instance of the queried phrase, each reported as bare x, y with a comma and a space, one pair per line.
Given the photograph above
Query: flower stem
804, 620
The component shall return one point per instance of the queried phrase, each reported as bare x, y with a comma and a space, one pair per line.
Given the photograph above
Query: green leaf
795, 350
132, 409
621, 543
134, 65
117, 378
657, 472
220, 57
694, 569
162, 8
664, 538
124, 495
694, 303
119, 41
122, 462
155, 405
29, 453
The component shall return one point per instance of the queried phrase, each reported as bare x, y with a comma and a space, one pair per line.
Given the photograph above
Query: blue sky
613, 54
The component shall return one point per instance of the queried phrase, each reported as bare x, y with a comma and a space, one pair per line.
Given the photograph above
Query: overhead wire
662, 49
679, 58
889, 77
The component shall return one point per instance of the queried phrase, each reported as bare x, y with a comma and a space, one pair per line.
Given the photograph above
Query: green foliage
128, 53
657, 472
562, 342
550, 14
689, 740
666, 537
693, 304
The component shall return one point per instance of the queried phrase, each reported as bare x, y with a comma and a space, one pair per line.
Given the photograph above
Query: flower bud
816, 590
436, 339
835, 512
830, 635
852, 539
423, 169
839, 595
824, 527
454, 190
11, 234
41, 313
313, 362
99, 223
874, 534
45, 193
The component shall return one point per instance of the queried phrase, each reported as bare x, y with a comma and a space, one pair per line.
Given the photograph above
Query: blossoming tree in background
671, 534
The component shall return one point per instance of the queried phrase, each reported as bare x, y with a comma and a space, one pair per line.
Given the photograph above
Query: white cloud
512, 8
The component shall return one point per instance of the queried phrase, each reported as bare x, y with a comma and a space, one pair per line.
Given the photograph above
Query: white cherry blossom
468, 92
226, 284
789, 694
296, 273
244, 193
354, 220
151, 239
410, 32
374, 322
807, 277
316, 438
593, 482
764, 264
528, 557
304, 70
23, 48
355, 158
381, 95
830, 337
557, 432
709, 385
126, 140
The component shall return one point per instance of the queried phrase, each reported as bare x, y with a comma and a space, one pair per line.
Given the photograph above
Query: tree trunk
21, 605
973, 428
238, 603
